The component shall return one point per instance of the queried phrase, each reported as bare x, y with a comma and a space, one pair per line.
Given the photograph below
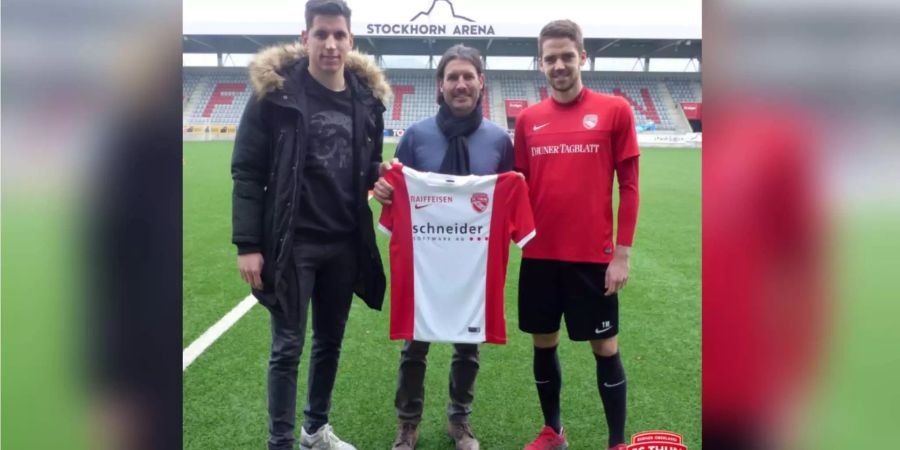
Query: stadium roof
493, 46
633, 29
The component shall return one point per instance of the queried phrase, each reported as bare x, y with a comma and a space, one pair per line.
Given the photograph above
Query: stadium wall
213, 99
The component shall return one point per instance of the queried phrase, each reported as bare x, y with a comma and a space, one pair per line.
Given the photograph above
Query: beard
461, 98
468, 100
563, 83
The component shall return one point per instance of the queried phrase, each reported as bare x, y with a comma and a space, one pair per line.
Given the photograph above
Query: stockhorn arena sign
455, 19
441, 18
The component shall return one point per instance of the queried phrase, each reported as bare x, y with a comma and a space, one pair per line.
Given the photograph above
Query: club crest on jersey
480, 201
589, 121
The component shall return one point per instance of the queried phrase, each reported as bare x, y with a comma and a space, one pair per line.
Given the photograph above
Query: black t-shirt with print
327, 202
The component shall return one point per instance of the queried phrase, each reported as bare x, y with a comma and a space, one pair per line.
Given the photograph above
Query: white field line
215, 332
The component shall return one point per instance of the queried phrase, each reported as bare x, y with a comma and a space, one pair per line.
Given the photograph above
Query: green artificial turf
660, 334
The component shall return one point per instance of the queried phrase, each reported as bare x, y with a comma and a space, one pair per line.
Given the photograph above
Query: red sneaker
549, 440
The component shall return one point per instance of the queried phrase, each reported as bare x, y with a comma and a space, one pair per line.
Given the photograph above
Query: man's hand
251, 265
617, 272
383, 191
386, 165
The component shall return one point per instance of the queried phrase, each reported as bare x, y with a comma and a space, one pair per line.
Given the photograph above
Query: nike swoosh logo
423, 206
613, 385
541, 382
538, 127
598, 331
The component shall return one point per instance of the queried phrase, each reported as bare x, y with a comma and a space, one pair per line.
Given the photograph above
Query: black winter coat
267, 169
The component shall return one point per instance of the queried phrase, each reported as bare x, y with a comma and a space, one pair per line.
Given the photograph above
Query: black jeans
326, 272
410, 399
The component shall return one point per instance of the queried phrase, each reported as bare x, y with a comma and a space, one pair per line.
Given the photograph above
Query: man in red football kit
569, 146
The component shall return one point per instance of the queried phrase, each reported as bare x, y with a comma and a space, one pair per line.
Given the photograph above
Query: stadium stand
417, 97
683, 90
218, 95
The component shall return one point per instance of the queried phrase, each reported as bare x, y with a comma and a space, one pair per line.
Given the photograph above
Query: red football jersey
569, 153
449, 250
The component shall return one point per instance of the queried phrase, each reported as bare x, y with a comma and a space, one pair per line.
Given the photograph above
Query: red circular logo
480, 201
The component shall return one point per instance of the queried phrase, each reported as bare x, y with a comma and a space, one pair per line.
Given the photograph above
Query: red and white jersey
569, 154
449, 250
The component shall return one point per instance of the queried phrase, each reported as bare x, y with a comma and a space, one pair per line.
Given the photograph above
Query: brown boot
462, 435
407, 436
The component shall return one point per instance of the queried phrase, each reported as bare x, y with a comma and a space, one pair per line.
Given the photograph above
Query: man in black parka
306, 154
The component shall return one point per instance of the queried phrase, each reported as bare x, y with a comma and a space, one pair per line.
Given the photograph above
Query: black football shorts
549, 290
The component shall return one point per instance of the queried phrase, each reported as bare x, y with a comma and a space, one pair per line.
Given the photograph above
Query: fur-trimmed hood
265, 68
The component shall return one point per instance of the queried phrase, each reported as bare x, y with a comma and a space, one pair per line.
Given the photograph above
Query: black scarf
457, 130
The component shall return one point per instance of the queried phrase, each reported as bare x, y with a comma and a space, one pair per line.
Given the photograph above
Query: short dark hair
464, 53
326, 8
564, 28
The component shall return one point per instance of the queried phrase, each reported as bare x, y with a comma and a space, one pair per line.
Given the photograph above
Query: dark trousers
325, 272
410, 398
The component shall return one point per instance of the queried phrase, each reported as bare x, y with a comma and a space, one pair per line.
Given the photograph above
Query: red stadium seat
649, 108
399, 92
219, 97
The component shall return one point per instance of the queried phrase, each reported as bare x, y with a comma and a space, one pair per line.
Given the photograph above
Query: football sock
611, 383
548, 379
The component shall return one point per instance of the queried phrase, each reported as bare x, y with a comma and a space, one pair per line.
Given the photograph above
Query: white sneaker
323, 439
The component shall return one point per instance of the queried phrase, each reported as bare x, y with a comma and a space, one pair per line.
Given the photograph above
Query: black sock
612, 386
548, 379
